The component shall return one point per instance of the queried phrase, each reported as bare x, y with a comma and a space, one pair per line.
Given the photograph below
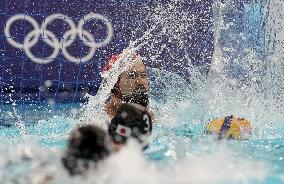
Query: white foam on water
34, 165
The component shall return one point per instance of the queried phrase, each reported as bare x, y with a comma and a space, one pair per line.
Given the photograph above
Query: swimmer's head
132, 85
86, 145
131, 121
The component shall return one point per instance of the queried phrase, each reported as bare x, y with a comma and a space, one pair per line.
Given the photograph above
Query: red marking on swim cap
114, 58
110, 62
122, 131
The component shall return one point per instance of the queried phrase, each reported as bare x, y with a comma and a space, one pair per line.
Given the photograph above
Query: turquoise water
34, 138
179, 153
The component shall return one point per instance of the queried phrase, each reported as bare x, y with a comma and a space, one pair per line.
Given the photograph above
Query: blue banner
55, 49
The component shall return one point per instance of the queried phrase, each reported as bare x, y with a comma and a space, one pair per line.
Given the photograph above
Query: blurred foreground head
87, 145
130, 121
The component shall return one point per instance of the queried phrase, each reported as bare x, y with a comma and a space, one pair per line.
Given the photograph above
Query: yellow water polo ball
230, 127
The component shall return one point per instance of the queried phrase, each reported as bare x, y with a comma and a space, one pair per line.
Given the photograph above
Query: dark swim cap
131, 120
87, 143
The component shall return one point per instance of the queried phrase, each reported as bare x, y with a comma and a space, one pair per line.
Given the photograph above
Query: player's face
134, 78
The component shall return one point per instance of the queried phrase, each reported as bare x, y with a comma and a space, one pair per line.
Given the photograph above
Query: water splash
168, 27
240, 82
93, 111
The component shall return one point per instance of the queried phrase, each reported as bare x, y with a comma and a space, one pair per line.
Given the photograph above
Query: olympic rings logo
51, 40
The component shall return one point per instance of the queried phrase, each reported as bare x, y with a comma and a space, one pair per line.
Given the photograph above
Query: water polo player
230, 127
130, 121
132, 86
87, 146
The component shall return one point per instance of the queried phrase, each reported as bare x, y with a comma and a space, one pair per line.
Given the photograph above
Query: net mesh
53, 51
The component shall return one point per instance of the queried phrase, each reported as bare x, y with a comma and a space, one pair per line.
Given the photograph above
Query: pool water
34, 138
179, 153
